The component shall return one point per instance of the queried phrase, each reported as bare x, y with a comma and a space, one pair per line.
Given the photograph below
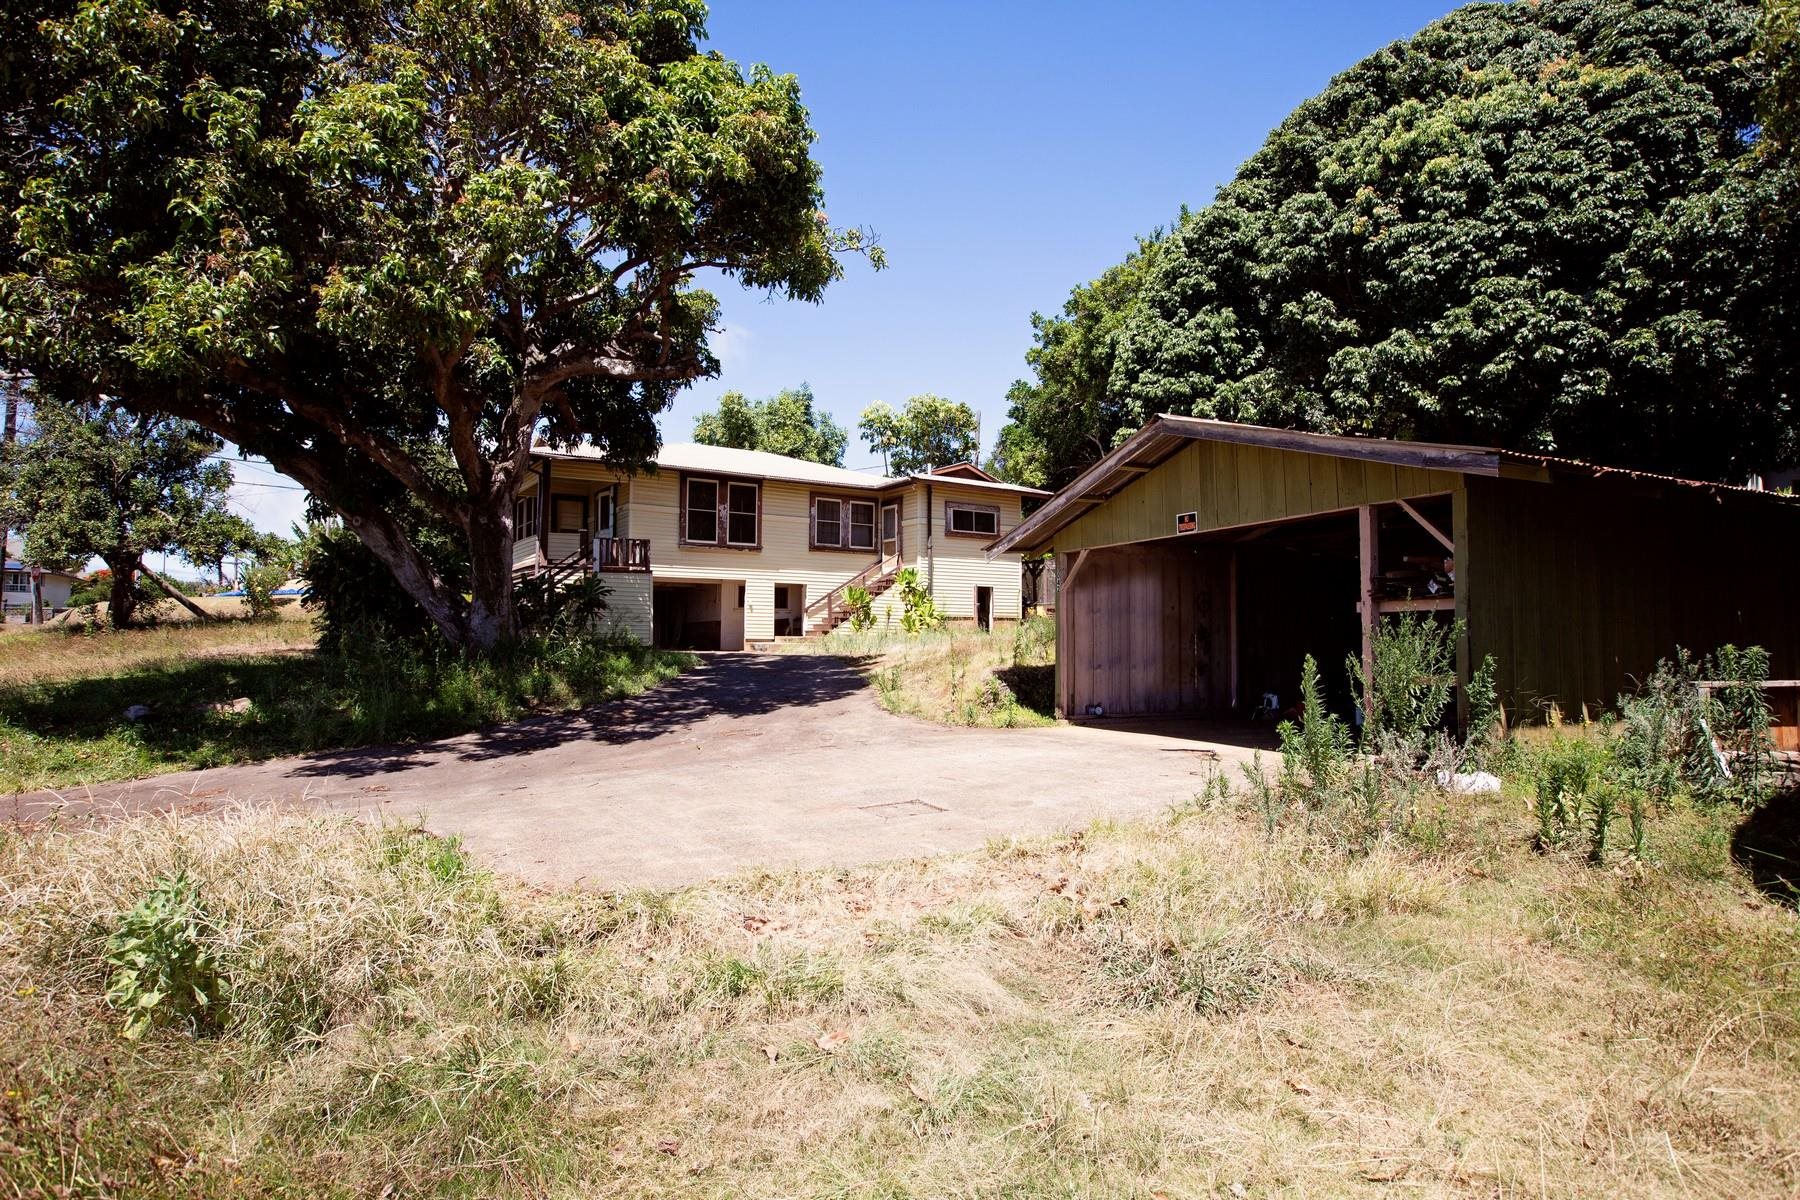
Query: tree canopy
94, 481
928, 431
1068, 416
1778, 46
386, 245
785, 423
1543, 226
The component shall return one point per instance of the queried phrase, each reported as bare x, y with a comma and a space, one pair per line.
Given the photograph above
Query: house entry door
890, 530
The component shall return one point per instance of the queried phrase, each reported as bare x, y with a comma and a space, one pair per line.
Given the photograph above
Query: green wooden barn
1199, 561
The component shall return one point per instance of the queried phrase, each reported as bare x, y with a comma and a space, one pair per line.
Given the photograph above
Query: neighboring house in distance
15, 589
718, 548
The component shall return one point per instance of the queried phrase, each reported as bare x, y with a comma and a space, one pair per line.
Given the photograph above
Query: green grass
1185, 1006
64, 725
1003, 679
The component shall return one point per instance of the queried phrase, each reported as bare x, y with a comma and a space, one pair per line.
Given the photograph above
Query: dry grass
58, 652
959, 676
1180, 1007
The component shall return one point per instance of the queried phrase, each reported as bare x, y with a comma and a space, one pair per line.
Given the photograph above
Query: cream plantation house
717, 548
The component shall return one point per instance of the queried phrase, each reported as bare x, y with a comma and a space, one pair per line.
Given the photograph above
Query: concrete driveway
749, 760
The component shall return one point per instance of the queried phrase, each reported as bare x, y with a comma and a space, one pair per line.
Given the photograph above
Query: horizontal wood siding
1228, 485
1577, 588
628, 607
1144, 630
962, 564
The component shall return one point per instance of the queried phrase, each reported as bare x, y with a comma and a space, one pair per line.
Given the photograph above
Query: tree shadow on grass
187, 715
1767, 846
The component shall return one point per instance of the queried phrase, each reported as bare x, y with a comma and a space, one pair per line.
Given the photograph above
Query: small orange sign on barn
1188, 522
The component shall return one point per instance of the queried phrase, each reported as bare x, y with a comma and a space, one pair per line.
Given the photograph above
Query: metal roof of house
1160, 439
15, 565
760, 464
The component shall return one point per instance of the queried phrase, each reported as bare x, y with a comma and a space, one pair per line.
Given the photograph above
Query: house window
606, 512
971, 520
722, 512
525, 514
702, 511
828, 527
862, 525
568, 514
740, 602
740, 521
843, 524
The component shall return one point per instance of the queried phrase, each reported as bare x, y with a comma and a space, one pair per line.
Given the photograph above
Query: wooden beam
1368, 563
1231, 621
1065, 630
1420, 604
1444, 541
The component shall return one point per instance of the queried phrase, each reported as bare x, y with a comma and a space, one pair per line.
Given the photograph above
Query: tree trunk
491, 617
123, 600
387, 542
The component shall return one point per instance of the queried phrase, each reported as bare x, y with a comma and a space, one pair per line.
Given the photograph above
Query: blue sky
1004, 153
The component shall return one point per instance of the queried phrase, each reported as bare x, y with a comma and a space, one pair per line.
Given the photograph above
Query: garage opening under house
1200, 561
714, 548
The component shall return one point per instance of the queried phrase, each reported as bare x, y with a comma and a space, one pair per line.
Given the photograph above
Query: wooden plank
1459, 522
1352, 486
1231, 627
1368, 549
1324, 483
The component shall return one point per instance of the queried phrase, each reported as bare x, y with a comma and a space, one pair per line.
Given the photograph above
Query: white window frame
755, 513
688, 510
852, 525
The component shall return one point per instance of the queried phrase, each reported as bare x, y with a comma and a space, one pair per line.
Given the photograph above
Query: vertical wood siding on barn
1229, 485
1145, 629
1577, 588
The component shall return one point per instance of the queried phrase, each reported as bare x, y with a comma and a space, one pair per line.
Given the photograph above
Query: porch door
890, 530
605, 511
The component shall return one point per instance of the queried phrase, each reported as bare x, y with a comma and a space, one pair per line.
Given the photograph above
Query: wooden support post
544, 509
1231, 621
1368, 563
1465, 665
1065, 631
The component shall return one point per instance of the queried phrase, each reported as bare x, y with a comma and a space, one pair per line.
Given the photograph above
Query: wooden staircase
830, 610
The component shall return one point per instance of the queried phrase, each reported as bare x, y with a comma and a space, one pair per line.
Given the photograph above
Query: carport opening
1296, 595
1216, 625
687, 616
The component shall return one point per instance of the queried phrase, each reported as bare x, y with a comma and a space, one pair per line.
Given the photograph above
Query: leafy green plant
1739, 714
1315, 754
861, 606
1414, 677
1487, 732
546, 605
919, 613
1565, 771
260, 584
162, 972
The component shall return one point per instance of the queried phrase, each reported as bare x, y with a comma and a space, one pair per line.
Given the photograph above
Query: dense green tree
928, 431
95, 481
786, 423
385, 245
1067, 416
1778, 45
1542, 226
